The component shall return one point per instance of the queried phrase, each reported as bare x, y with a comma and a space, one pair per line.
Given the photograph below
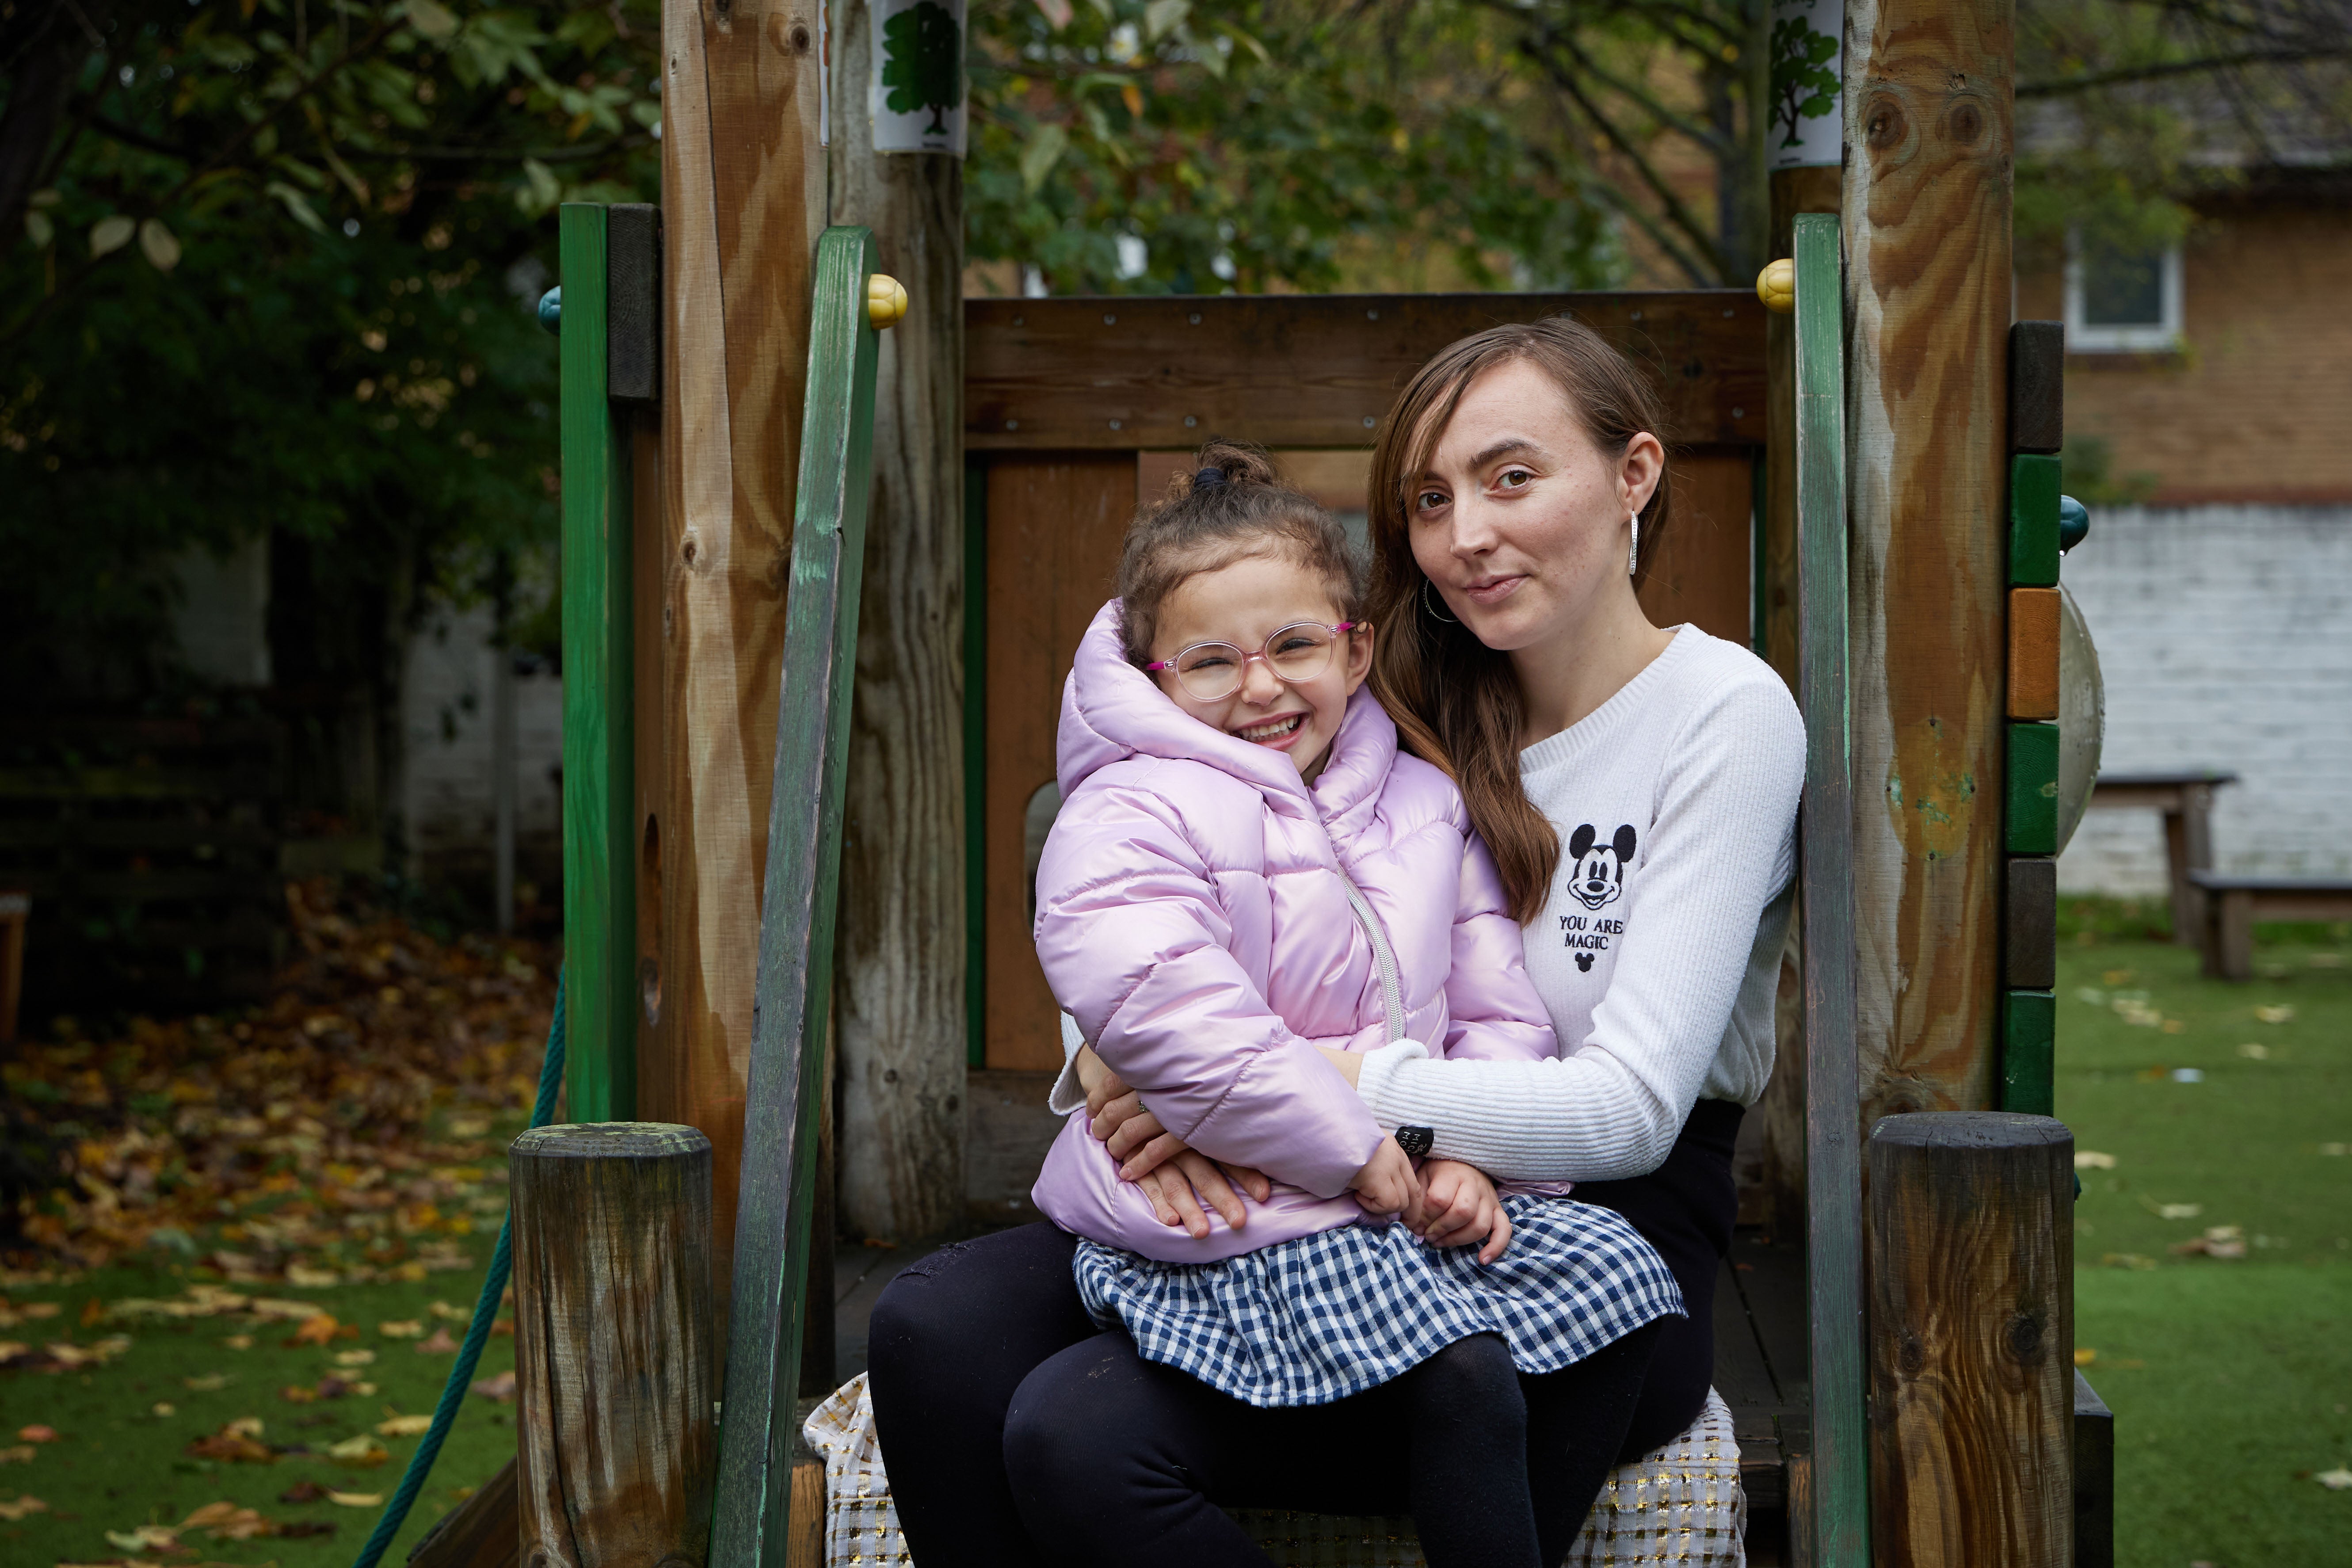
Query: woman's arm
1713, 890
1135, 945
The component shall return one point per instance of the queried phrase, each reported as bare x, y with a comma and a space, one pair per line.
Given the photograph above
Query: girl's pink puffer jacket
1193, 915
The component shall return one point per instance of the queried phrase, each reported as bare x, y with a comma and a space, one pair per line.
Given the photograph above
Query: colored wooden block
2031, 817
2031, 928
633, 302
2037, 386
2029, 1035
2033, 521
2034, 653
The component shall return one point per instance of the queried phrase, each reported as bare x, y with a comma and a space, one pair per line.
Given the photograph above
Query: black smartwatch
1416, 1141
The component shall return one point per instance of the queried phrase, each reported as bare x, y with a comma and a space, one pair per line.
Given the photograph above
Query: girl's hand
1460, 1208
1387, 1184
1173, 1189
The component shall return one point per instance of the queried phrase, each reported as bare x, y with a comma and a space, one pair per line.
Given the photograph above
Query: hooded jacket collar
1112, 710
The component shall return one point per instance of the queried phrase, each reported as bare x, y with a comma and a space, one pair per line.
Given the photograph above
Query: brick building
2208, 420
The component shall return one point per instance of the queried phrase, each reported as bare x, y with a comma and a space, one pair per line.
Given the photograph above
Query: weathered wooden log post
1971, 1341
614, 1348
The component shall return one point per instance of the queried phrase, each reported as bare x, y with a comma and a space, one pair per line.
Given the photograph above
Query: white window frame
2164, 337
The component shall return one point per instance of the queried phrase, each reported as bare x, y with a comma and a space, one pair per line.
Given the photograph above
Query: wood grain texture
483, 1532
599, 749
1054, 522
1301, 370
1929, 91
1972, 1334
743, 186
1794, 191
615, 1344
1840, 1525
901, 991
1010, 1129
784, 1093
2034, 618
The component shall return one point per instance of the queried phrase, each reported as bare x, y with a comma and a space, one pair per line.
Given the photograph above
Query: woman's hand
1191, 1182
1387, 1184
1145, 1151
1460, 1206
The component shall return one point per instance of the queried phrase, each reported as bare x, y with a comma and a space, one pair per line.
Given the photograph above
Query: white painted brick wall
445, 707
2225, 638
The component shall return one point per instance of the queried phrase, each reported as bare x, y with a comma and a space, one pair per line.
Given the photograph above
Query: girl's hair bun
1208, 479
1231, 463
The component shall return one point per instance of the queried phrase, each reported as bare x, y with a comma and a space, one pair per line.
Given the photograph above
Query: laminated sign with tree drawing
917, 91
1807, 67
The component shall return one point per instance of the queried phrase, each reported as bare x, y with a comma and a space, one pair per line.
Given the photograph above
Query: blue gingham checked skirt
1319, 1319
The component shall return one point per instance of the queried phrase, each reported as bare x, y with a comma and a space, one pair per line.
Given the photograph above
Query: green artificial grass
117, 1464
2229, 1376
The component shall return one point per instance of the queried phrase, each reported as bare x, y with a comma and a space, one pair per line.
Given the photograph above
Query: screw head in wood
1777, 286
885, 302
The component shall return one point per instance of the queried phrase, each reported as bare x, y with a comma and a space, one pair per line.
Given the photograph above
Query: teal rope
485, 1310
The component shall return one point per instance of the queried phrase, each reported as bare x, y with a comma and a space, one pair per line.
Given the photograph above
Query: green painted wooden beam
600, 901
2030, 809
2033, 521
785, 1096
2029, 1037
1841, 1437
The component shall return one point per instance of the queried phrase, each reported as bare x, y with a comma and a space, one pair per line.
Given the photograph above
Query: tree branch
1704, 136
2156, 72
1676, 212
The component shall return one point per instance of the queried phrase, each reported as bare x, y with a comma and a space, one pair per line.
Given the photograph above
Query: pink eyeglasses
1212, 672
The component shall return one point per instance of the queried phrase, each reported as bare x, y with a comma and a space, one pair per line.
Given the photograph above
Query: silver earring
1634, 547
1434, 613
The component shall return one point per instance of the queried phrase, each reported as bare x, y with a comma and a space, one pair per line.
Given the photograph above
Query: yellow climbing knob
1777, 287
885, 302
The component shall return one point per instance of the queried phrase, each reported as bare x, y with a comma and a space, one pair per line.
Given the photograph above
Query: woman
1638, 790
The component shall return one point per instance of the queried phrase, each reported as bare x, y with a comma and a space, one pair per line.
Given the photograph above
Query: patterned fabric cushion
1682, 1505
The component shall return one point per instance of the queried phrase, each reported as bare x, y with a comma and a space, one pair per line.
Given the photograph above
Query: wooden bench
2186, 799
2232, 904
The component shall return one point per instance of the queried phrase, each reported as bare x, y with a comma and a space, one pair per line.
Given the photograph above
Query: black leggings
1109, 1458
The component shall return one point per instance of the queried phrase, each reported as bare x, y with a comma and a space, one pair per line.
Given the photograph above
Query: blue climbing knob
550, 308
2074, 517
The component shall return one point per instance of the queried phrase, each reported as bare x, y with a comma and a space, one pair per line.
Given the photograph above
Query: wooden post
600, 908
1837, 1486
743, 185
903, 1019
615, 1351
1971, 1339
1926, 201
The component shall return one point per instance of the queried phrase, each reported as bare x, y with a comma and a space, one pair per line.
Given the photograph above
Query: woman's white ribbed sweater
1659, 951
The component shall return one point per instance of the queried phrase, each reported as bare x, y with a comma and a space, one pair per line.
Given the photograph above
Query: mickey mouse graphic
1596, 876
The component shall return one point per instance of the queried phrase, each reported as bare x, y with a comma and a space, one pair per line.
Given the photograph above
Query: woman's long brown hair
1456, 702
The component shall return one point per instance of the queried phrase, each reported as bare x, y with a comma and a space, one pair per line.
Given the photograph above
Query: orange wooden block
2034, 653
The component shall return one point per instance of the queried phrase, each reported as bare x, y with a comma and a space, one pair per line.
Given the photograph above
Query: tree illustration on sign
1803, 87
923, 66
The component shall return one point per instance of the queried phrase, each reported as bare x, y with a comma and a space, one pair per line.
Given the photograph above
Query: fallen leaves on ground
439, 1344
362, 1452
36, 1433
2224, 1241
21, 1507
403, 1426
2092, 1160
304, 1490
2283, 1013
293, 1141
500, 1388
356, 1499
403, 1329
18, 1454
2335, 1480
229, 1445
355, 1358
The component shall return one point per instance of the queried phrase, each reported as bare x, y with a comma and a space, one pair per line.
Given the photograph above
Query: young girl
1245, 868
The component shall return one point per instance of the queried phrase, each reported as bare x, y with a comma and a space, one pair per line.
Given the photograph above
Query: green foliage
924, 63
2087, 474
322, 333
1258, 146
1803, 87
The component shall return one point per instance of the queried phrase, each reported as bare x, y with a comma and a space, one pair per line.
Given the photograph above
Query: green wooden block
2033, 521
2033, 803
2029, 1037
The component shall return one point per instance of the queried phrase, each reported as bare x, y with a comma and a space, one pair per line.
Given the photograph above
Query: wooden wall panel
1313, 370
1054, 521
1701, 568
